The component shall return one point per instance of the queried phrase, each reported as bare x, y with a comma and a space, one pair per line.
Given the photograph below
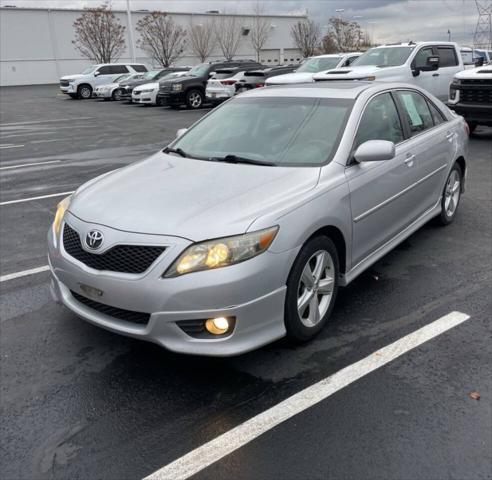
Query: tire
451, 196
84, 91
116, 95
305, 285
194, 99
472, 126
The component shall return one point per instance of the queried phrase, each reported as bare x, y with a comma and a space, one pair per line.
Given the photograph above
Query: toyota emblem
94, 239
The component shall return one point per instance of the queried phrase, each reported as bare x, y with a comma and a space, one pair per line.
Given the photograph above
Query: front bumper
216, 95
146, 97
171, 98
479, 113
68, 89
253, 292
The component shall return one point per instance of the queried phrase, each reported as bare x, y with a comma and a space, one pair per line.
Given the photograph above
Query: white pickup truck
430, 65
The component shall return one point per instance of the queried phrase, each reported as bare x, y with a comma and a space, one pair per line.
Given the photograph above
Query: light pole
449, 35
130, 31
340, 11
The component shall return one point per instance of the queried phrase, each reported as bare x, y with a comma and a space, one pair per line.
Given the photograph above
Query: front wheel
84, 92
451, 195
311, 289
194, 99
116, 94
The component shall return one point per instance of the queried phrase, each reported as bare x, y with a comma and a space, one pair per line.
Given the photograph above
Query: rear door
449, 65
382, 198
433, 143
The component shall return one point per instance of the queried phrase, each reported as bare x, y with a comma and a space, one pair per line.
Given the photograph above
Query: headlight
177, 87
456, 81
71, 80
149, 90
60, 212
222, 252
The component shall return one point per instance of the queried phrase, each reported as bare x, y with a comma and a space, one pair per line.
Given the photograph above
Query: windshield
284, 131
314, 65
384, 57
89, 70
199, 70
122, 77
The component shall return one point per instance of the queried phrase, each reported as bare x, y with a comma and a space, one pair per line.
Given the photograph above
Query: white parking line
29, 164
30, 199
25, 273
200, 458
10, 146
46, 121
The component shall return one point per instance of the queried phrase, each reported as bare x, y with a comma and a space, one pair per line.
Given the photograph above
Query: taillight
467, 129
258, 85
228, 82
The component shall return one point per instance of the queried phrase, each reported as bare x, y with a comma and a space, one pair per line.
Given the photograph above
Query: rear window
447, 57
118, 69
139, 68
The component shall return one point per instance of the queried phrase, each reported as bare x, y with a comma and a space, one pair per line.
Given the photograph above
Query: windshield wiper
179, 151
237, 159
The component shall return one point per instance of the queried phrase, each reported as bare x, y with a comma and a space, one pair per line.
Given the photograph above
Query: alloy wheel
195, 100
117, 94
452, 193
315, 288
85, 92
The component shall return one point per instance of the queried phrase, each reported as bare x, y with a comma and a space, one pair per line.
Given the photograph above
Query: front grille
119, 313
476, 95
121, 258
64, 83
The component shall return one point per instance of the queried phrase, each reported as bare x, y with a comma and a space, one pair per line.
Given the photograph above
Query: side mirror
479, 62
431, 64
97, 73
181, 132
211, 74
375, 151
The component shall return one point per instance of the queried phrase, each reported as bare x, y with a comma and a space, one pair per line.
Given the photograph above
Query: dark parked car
152, 76
190, 89
256, 78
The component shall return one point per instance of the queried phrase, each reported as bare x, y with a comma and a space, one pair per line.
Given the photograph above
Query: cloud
385, 20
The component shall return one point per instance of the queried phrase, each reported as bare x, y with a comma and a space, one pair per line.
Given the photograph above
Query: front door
382, 199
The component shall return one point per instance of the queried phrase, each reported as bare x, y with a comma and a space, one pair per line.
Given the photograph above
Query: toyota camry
242, 230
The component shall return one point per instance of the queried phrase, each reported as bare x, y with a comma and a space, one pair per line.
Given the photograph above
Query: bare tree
228, 33
99, 35
202, 39
161, 38
306, 35
347, 36
259, 31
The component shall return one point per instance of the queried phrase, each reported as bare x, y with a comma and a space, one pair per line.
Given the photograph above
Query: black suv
127, 87
189, 90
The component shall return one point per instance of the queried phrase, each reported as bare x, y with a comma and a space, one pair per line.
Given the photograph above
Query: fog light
217, 326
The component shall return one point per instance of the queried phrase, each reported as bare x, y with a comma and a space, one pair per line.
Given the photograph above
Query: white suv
83, 84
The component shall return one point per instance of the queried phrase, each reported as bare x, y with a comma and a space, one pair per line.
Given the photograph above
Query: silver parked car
242, 230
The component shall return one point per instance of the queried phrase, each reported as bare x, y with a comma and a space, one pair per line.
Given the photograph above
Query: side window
105, 70
139, 68
119, 69
437, 116
380, 121
417, 110
351, 60
447, 57
421, 57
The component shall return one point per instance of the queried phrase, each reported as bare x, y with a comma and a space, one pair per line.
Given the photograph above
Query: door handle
435, 74
449, 135
409, 160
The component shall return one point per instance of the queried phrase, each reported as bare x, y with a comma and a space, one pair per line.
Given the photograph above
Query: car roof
325, 89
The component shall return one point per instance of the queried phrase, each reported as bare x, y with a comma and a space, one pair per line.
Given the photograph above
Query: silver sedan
241, 231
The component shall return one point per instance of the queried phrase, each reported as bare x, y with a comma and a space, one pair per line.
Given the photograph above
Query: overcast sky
385, 20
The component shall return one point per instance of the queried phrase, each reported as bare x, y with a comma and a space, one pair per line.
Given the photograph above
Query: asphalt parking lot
82, 403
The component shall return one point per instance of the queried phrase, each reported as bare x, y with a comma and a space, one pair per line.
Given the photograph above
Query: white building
36, 44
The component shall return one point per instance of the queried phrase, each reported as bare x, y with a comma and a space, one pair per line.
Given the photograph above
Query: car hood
72, 77
147, 85
301, 77
484, 72
133, 83
193, 199
180, 79
349, 73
